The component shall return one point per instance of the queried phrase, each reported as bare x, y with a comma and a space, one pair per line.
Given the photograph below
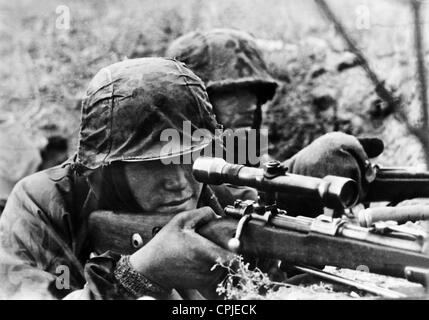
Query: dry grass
245, 283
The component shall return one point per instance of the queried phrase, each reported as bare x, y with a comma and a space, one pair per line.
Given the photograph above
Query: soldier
238, 83
117, 166
233, 70
44, 246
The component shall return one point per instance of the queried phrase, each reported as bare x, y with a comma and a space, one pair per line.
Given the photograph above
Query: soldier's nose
176, 180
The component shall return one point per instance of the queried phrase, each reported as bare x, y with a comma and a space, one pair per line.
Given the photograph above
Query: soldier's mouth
176, 202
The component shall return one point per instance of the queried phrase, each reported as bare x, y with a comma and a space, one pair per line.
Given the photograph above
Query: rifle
266, 231
109, 227
395, 184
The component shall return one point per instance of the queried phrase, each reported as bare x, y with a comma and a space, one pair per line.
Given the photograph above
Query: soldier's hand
178, 257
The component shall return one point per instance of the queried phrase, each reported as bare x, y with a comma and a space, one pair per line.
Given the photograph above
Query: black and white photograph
235, 151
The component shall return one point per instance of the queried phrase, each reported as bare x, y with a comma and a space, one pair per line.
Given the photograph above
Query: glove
336, 154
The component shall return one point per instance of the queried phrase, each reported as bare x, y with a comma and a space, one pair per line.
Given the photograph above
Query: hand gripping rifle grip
334, 192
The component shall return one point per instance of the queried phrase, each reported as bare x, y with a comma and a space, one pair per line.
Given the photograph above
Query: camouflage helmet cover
224, 59
128, 105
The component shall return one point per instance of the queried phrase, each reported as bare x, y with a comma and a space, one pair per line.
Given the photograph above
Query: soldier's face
235, 109
164, 189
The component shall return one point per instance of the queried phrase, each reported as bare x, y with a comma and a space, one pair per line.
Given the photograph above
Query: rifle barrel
397, 184
399, 214
384, 292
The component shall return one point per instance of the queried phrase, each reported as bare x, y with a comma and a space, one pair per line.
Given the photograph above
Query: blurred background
50, 49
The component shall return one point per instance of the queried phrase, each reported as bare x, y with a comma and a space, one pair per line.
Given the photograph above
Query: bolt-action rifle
264, 230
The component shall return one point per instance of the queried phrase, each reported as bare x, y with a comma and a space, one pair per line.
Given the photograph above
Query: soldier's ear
372, 146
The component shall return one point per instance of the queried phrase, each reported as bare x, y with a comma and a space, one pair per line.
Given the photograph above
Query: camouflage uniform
44, 227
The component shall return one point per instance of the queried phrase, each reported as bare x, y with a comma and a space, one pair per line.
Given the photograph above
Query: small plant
245, 283
241, 282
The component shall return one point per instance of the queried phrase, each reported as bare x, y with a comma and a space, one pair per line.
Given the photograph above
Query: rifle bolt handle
234, 244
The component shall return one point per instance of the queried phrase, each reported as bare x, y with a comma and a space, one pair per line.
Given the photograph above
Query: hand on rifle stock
178, 257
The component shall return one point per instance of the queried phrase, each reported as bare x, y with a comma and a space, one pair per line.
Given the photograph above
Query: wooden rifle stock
125, 233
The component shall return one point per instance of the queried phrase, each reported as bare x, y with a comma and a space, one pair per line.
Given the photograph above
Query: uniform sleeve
38, 244
36, 261
100, 280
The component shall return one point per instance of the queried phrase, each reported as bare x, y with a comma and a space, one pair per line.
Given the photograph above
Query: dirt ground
45, 68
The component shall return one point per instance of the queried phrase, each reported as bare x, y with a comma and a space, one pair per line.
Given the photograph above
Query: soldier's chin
173, 209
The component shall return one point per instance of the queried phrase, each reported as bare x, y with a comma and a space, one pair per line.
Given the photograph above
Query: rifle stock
116, 231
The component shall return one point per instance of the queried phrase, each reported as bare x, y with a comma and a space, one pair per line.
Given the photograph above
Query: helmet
224, 59
128, 105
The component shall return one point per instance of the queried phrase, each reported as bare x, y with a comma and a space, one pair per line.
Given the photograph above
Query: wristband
134, 282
